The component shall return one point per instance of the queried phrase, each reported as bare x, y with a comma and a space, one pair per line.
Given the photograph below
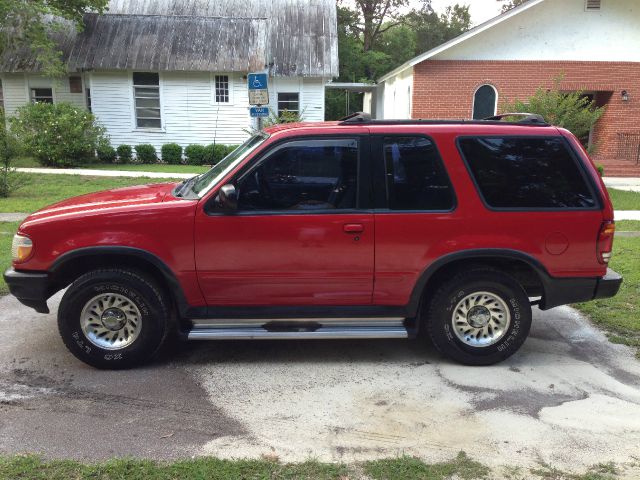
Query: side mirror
228, 197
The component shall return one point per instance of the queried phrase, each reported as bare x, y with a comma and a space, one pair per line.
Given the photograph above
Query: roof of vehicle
359, 119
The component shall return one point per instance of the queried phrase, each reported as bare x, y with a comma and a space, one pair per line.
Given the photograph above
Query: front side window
41, 95
526, 173
303, 175
146, 92
289, 102
416, 179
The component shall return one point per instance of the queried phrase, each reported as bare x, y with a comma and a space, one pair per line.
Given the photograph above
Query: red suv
352, 229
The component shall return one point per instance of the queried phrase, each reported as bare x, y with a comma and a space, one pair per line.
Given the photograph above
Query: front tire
113, 318
480, 317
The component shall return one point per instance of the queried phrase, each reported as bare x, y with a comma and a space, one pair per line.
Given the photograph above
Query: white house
176, 71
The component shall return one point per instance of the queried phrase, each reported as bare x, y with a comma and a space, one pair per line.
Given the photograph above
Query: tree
32, 26
376, 17
573, 110
433, 29
10, 179
511, 4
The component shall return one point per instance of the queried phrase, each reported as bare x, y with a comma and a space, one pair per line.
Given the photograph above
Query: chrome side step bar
295, 333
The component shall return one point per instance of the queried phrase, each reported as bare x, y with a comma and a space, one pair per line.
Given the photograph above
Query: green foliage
231, 148
511, 4
433, 29
213, 153
284, 117
571, 110
30, 26
57, 135
600, 168
171, 153
10, 179
195, 154
106, 153
146, 153
125, 153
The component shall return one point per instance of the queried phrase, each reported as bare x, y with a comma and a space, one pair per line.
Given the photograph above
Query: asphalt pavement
568, 398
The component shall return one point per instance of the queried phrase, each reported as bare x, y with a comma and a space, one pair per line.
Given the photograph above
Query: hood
136, 196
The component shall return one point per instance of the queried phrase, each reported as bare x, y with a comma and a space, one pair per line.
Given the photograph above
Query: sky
481, 10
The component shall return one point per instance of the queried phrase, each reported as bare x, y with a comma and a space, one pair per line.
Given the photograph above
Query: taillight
605, 241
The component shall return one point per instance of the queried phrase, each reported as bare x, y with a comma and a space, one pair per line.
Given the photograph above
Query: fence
629, 146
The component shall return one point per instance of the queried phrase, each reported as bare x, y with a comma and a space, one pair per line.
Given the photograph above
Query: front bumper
563, 291
30, 288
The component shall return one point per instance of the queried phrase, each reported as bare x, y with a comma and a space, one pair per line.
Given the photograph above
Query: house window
289, 102
88, 91
221, 86
75, 84
591, 5
41, 95
485, 100
146, 92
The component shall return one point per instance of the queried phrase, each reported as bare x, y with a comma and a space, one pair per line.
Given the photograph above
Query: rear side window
526, 173
416, 179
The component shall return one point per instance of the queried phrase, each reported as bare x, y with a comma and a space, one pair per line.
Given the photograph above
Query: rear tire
113, 319
480, 317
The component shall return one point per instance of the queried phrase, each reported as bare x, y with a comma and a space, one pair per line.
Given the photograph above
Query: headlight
21, 248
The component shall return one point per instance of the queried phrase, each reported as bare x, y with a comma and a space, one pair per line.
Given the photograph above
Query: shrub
10, 180
214, 152
231, 148
57, 134
171, 153
600, 168
125, 153
571, 110
195, 154
146, 153
106, 153
284, 116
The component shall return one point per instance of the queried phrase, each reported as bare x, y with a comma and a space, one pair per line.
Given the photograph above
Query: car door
299, 236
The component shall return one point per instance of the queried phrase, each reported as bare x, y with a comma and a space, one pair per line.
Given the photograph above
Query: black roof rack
531, 119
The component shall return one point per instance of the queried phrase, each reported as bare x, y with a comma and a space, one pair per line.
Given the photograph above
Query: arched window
485, 101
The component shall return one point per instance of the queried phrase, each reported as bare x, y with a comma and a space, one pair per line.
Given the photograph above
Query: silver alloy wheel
481, 319
111, 321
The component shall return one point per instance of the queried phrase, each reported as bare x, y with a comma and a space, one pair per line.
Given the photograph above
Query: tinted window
484, 102
526, 173
416, 179
304, 175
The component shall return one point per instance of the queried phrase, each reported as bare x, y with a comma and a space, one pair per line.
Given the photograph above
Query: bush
146, 153
195, 154
214, 152
57, 134
571, 110
171, 153
10, 180
600, 168
106, 153
231, 148
125, 153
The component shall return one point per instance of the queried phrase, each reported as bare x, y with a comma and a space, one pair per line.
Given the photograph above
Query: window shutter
592, 5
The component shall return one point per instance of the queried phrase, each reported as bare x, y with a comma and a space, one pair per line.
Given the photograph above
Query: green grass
623, 200
43, 190
7, 230
29, 467
28, 162
620, 316
628, 226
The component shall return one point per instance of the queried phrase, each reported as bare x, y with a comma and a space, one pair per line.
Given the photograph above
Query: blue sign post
259, 112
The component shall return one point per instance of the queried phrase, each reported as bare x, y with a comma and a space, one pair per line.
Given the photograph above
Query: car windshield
207, 180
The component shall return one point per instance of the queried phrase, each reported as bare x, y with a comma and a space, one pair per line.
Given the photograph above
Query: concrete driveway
568, 398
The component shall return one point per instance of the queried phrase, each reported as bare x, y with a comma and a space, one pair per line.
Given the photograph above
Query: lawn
29, 467
43, 190
27, 162
620, 316
7, 229
624, 200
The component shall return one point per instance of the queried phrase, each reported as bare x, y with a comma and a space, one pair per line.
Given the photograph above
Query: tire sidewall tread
138, 288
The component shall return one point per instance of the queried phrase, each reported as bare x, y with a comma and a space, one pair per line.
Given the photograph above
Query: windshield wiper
185, 185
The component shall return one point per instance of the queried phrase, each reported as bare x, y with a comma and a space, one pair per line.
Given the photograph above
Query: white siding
63, 94
397, 96
559, 30
312, 99
14, 91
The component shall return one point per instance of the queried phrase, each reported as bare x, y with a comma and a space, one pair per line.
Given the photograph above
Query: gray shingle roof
297, 37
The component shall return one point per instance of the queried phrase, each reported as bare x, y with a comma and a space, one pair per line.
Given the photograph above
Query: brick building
594, 44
